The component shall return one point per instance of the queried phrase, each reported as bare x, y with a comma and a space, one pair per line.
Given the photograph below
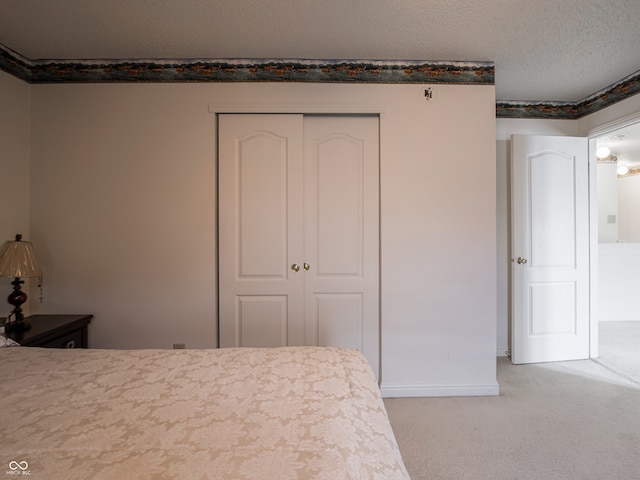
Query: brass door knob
295, 267
306, 266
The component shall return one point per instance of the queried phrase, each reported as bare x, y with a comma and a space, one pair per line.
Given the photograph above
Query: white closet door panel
342, 233
262, 205
260, 230
340, 320
339, 206
261, 321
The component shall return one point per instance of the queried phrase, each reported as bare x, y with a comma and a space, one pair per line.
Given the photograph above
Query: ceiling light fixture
603, 152
622, 170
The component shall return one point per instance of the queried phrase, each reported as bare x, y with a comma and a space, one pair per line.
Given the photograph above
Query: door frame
592, 134
309, 109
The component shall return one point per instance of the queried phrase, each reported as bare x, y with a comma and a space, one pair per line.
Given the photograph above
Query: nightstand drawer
70, 340
55, 331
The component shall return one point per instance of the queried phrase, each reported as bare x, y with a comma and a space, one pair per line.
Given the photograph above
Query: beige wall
14, 170
123, 209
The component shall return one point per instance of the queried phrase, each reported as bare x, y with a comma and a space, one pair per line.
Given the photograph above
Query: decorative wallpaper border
320, 71
276, 70
614, 93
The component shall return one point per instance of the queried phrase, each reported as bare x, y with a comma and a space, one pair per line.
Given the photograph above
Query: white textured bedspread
284, 413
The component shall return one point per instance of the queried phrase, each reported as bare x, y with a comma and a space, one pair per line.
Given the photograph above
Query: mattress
239, 413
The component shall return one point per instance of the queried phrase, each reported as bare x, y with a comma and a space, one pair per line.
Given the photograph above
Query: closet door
260, 230
298, 232
341, 197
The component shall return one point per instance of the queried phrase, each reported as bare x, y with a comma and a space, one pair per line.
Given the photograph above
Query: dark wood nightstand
55, 331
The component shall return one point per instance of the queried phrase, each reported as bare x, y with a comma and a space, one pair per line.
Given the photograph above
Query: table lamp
17, 260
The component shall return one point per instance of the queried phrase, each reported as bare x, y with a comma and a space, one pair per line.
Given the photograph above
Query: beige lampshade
17, 259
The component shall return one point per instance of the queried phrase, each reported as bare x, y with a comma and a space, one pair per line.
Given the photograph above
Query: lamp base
16, 298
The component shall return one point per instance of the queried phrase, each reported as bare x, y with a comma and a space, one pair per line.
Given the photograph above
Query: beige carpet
565, 421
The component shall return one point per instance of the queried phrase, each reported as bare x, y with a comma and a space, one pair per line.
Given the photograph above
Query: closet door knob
306, 266
295, 267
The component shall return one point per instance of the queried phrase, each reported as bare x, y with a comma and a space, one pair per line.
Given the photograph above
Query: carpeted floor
620, 349
558, 421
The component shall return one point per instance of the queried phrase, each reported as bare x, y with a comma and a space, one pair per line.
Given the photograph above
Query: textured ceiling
543, 50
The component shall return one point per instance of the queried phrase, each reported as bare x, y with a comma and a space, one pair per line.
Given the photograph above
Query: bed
238, 413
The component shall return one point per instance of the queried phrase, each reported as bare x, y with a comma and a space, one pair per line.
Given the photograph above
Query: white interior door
299, 231
342, 233
260, 230
550, 249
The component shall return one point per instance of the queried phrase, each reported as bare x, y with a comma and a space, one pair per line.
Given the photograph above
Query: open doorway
618, 187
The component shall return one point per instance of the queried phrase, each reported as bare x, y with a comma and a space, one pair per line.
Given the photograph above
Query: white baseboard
618, 317
502, 351
478, 390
